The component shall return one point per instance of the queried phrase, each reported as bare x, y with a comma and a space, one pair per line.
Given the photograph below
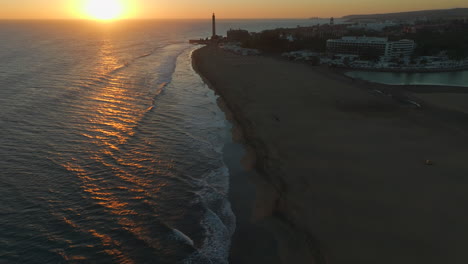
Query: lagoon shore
344, 174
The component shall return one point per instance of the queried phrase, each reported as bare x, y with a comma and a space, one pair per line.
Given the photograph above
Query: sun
104, 9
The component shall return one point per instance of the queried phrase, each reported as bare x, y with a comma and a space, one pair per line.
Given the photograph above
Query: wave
178, 235
164, 74
145, 55
218, 222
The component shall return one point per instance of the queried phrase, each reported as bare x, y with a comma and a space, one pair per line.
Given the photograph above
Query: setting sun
104, 9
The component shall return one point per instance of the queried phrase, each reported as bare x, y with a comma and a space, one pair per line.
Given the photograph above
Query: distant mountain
429, 14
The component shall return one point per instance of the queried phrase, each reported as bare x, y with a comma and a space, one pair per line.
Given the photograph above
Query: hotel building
371, 46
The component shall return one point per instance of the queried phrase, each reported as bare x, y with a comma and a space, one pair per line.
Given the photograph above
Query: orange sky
53, 9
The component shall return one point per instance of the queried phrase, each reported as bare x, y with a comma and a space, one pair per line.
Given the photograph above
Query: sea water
456, 78
111, 145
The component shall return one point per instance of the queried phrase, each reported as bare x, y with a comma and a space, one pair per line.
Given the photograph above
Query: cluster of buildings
319, 31
347, 51
234, 48
374, 26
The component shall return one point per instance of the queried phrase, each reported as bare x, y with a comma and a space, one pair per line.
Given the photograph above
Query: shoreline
345, 73
391, 70
320, 180
266, 219
248, 234
340, 73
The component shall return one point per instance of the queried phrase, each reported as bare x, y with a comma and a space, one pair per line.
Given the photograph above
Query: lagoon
459, 78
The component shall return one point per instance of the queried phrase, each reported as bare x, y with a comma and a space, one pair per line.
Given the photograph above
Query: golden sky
144, 9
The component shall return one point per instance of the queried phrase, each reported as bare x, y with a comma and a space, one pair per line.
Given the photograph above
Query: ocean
111, 146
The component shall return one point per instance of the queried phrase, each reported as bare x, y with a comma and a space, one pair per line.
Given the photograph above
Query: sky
173, 9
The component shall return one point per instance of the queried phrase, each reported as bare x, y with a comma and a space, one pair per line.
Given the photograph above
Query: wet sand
341, 173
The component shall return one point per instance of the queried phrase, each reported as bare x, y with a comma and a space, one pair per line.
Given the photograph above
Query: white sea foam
178, 235
204, 123
218, 222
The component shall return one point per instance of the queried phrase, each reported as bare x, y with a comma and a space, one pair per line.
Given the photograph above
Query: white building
371, 46
400, 48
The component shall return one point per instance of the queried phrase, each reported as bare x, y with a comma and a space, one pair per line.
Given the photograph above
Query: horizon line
126, 19
237, 18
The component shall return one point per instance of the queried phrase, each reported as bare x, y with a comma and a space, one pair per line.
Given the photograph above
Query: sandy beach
343, 173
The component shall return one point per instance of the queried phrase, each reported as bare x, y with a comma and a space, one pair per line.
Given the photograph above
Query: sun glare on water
104, 9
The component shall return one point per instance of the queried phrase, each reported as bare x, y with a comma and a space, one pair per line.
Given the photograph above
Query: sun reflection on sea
111, 121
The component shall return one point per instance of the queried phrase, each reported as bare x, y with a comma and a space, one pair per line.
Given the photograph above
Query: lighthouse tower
214, 27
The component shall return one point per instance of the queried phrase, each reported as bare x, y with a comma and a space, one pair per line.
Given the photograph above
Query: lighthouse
214, 27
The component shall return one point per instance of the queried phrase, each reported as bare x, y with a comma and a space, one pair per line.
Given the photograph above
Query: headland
346, 171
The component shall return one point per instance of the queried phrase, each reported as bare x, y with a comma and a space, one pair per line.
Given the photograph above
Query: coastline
252, 241
340, 167
259, 219
416, 70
